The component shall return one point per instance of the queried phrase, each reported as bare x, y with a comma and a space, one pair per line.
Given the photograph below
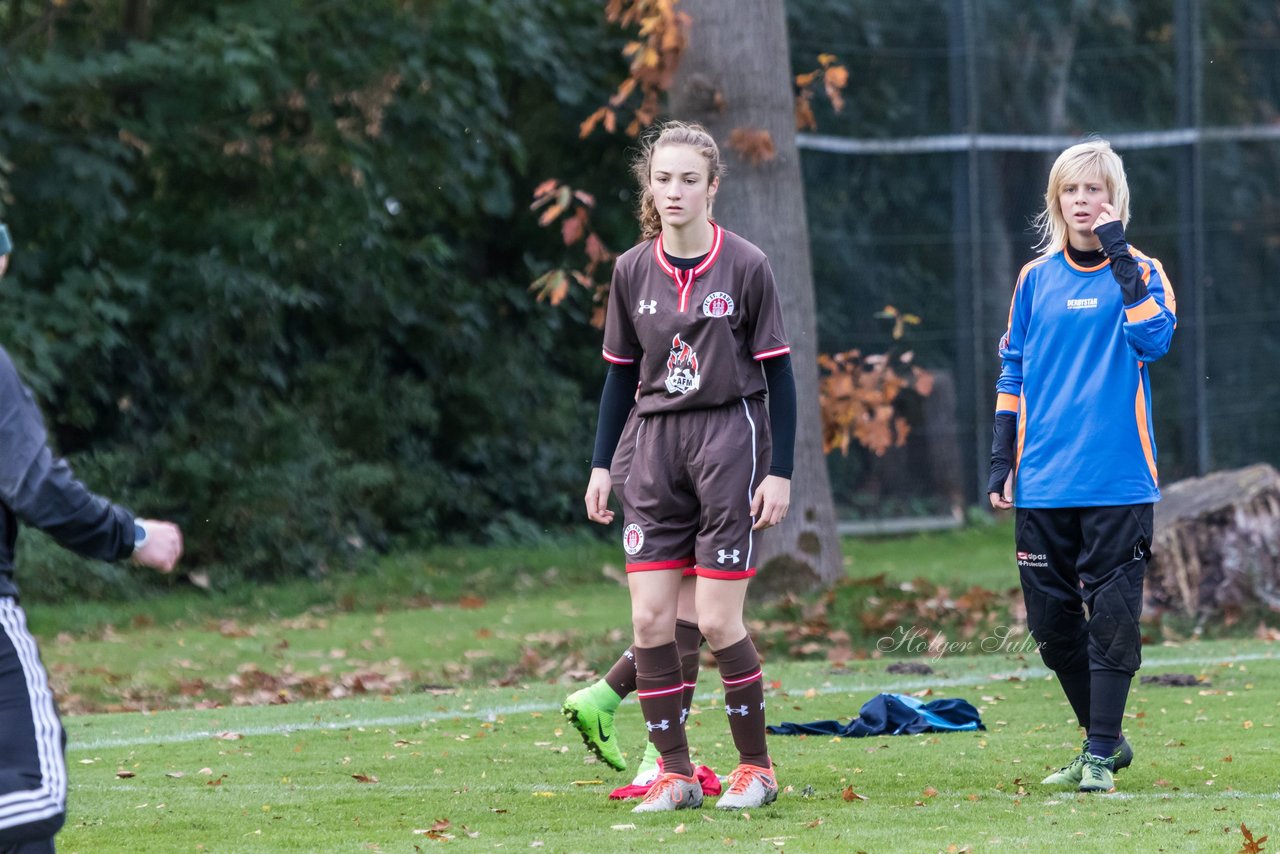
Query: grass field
449, 756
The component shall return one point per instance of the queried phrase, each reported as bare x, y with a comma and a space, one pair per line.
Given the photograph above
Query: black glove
1003, 435
1127, 271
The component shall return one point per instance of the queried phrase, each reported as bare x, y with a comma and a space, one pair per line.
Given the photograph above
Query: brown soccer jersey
697, 335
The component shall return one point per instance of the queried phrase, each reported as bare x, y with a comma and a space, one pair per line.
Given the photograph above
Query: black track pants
1095, 558
33, 770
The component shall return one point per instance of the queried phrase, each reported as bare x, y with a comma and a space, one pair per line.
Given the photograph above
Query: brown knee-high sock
689, 641
744, 700
660, 687
622, 676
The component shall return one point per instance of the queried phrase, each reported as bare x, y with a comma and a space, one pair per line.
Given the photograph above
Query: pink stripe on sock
745, 679
662, 692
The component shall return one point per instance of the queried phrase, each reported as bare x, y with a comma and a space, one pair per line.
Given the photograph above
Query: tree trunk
737, 74
1216, 554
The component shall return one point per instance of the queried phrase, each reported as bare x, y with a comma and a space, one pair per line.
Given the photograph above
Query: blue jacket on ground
894, 714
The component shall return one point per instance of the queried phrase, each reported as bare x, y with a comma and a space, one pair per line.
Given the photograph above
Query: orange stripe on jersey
1022, 275
1022, 430
1144, 310
1170, 300
1066, 256
1144, 435
1006, 402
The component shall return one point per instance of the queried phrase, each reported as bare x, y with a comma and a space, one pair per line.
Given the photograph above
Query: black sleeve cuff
1126, 270
1003, 436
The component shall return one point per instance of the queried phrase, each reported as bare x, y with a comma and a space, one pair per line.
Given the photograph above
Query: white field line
491, 713
1038, 799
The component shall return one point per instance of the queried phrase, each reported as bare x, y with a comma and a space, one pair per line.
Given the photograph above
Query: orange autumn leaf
755, 145
805, 120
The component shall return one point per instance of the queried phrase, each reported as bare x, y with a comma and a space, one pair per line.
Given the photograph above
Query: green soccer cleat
595, 724
1096, 774
1069, 775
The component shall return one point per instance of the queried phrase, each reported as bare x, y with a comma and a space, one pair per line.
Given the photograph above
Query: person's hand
597, 499
162, 547
1107, 215
4, 265
770, 503
1003, 501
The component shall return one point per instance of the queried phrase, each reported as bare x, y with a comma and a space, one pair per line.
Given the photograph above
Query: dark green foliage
271, 268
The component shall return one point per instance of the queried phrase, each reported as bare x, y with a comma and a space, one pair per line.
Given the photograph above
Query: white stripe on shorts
50, 798
746, 410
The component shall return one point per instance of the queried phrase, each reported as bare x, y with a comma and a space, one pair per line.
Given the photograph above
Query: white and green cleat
1070, 775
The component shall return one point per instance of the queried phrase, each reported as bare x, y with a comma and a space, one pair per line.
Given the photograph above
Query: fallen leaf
1251, 846
125, 775
624, 827
229, 736
850, 795
930, 792
364, 778
176, 774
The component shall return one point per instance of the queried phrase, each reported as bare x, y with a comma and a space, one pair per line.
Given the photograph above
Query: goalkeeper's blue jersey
1074, 371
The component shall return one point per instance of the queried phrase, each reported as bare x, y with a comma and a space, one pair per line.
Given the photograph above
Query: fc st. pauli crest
682, 368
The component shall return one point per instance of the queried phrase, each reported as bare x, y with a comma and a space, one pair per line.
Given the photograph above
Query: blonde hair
1093, 159
670, 133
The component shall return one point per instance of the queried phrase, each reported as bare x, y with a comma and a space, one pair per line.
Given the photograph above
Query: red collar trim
684, 278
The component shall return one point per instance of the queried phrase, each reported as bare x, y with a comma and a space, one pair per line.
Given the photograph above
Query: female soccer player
39, 490
1074, 449
693, 312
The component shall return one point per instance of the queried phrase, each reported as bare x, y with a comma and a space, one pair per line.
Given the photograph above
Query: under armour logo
730, 556
684, 716
662, 724
650, 307
762, 705
737, 710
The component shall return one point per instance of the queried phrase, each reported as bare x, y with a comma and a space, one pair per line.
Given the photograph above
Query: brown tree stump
1216, 554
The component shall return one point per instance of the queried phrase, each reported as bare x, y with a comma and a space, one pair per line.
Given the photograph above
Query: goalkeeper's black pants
1082, 570
33, 768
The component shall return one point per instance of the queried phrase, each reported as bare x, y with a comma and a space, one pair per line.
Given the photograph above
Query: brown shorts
685, 480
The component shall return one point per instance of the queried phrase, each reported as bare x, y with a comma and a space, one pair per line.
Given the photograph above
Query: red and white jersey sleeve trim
769, 354
616, 359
